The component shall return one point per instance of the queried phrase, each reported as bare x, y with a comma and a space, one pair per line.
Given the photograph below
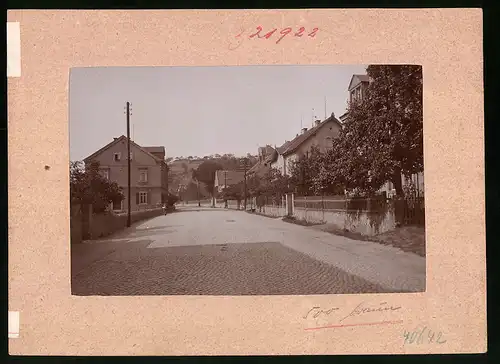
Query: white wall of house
288, 162
416, 178
279, 164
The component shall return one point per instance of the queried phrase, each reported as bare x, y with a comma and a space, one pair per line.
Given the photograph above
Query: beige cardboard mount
446, 42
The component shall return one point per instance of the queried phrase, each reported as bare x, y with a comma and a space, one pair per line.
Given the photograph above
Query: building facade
148, 170
321, 136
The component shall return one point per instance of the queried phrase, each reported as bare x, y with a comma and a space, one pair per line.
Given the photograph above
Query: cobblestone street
221, 252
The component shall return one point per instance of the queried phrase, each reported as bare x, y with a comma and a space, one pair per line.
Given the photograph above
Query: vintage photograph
247, 180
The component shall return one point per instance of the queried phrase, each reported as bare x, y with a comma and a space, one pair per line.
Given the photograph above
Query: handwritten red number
313, 33
268, 35
284, 32
300, 31
259, 29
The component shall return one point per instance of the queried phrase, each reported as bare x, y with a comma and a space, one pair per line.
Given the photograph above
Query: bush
172, 199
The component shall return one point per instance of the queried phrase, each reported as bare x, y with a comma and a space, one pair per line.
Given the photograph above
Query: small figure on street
164, 207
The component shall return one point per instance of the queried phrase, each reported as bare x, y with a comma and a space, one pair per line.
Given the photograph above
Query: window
105, 173
143, 175
118, 205
329, 142
131, 155
142, 198
117, 157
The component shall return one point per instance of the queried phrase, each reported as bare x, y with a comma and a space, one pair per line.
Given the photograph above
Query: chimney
317, 122
304, 130
333, 115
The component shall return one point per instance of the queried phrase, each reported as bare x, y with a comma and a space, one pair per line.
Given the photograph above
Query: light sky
198, 111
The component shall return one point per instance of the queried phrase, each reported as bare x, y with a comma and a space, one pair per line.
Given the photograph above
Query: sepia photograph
247, 180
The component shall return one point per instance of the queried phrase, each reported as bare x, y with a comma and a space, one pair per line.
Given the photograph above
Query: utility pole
245, 179
325, 107
129, 219
225, 189
198, 192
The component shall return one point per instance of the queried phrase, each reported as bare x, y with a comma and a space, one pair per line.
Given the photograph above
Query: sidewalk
380, 264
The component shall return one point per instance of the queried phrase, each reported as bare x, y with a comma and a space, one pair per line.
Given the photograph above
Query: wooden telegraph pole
129, 219
225, 189
245, 183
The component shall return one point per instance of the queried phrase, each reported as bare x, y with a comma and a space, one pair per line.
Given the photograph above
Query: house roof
154, 149
261, 168
293, 145
229, 177
283, 148
116, 141
356, 79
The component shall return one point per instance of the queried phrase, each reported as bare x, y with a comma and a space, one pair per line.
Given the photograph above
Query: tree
89, 187
303, 171
382, 137
205, 173
330, 178
233, 192
172, 199
190, 192
272, 185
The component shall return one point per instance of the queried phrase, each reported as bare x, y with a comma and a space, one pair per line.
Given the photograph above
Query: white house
321, 135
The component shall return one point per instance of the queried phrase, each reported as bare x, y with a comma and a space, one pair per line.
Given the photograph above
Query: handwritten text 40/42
423, 336
300, 32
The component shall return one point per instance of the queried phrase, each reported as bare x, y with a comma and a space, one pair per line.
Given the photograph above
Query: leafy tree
273, 185
89, 187
205, 173
190, 192
172, 199
304, 170
254, 186
233, 192
383, 134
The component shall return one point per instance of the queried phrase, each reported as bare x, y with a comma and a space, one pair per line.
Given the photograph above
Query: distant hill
181, 169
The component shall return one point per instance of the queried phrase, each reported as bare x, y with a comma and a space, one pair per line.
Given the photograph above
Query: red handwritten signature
258, 34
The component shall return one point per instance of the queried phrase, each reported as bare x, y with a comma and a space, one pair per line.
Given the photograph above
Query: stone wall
364, 216
363, 222
97, 226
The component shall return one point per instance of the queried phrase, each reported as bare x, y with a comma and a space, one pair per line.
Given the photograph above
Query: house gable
115, 145
356, 80
296, 143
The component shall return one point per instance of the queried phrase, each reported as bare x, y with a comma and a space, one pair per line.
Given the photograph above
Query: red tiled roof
290, 147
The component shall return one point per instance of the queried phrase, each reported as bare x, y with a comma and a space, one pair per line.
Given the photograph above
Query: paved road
225, 252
